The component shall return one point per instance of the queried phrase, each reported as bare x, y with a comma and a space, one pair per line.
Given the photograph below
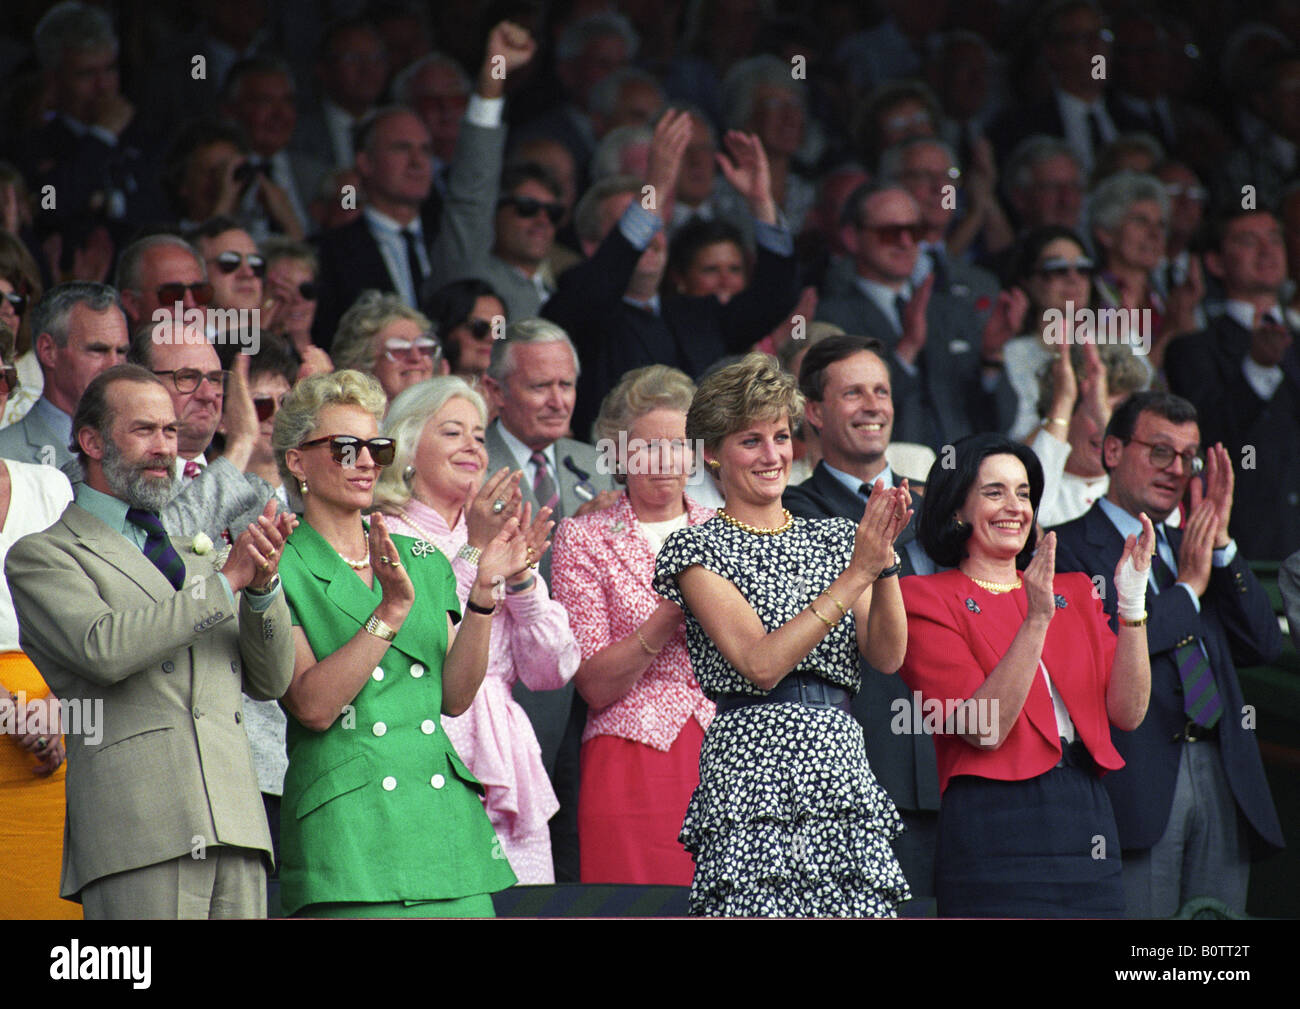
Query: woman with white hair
383, 336
432, 493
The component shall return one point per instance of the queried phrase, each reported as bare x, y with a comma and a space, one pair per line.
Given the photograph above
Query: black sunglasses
1059, 266
230, 261
480, 329
308, 290
526, 206
346, 448
17, 301
266, 406
893, 234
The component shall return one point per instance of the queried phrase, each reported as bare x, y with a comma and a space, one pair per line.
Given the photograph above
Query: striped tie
543, 486
1202, 702
158, 547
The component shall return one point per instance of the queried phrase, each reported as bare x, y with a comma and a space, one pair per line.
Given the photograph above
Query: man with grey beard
164, 815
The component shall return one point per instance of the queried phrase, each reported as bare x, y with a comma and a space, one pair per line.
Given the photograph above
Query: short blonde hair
298, 416
639, 391
754, 388
1125, 373
353, 345
408, 414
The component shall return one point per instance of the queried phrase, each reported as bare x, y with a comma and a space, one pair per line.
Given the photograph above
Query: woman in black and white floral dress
788, 819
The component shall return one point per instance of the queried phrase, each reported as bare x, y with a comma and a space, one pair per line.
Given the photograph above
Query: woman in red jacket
1017, 673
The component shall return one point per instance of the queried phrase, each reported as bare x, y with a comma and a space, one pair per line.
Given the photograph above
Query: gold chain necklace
997, 588
758, 530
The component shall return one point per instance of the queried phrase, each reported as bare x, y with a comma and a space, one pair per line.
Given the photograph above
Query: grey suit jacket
467, 229
549, 709
219, 498
172, 770
30, 439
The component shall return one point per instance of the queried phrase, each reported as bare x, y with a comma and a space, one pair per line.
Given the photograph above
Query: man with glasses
948, 376
1243, 374
1191, 802
214, 496
79, 331
497, 227
236, 270
158, 272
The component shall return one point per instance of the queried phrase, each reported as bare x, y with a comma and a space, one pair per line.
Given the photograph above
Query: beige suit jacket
173, 771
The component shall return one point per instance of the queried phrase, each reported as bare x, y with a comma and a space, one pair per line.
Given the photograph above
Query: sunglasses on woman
526, 206
479, 329
230, 261
1059, 266
346, 448
18, 302
266, 406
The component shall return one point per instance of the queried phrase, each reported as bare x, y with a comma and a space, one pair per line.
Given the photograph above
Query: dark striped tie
1202, 702
543, 486
158, 547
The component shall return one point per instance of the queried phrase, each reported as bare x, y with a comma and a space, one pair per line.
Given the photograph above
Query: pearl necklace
424, 533
758, 530
997, 588
360, 565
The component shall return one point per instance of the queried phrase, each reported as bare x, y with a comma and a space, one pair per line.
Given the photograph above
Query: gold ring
266, 565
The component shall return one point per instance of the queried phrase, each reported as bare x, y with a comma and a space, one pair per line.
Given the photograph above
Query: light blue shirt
392, 247
854, 484
59, 422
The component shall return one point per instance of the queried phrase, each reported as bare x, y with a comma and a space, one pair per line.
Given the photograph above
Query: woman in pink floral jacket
641, 747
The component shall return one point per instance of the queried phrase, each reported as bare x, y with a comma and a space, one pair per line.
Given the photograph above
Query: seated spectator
467, 315
352, 67
236, 272
438, 491
696, 181
78, 331
618, 285
1128, 152
1268, 162
206, 172
1243, 375
947, 375
707, 257
336, 202
1188, 202
627, 97
648, 716
1044, 184
807, 443
290, 306
272, 372
438, 90
622, 151
894, 112
381, 336
20, 291
1081, 386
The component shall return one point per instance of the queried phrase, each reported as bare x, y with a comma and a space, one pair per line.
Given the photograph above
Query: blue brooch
1060, 601
972, 605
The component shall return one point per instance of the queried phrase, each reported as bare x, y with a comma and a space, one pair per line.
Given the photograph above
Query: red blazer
957, 632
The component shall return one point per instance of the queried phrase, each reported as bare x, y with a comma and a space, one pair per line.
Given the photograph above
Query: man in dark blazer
1192, 803
610, 304
1243, 375
948, 378
532, 381
846, 383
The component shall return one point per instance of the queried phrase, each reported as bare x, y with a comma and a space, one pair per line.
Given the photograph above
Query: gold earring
714, 465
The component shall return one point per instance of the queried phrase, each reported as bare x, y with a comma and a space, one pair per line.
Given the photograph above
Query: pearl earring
408, 474
304, 487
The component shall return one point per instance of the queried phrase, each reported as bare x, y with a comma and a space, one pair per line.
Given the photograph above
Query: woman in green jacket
380, 817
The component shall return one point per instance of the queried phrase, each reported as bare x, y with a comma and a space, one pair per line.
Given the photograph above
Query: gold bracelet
843, 611
1057, 420
1134, 623
829, 625
648, 650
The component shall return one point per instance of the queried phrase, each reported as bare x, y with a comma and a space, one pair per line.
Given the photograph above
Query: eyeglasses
526, 206
1196, 194
902, 122
480, 329
935, 178
426, 346
169, 294
1059, 266
9, 373
893, 234
188, 379
230, 261
346, 448
309, 290
266, 406
18, 302
1162, 457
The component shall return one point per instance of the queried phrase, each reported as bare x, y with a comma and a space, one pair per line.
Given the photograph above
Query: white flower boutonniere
202, 544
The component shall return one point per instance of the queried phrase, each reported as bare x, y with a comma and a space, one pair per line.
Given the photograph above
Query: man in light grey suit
496, 228
80, 332
164, 817
214, 496
532, 382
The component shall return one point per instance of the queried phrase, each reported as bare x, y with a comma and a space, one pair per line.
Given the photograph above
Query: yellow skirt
31, 816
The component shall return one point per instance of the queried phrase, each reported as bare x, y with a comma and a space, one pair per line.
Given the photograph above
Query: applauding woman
1029, 678
381, 817
432, 494
787, 819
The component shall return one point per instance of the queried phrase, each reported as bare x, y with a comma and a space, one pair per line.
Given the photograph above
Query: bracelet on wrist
1138, 622
893, 569
470, 553
485, 611
645, 646
843, 611
523, 586
830, 625
379, 629
1056, 420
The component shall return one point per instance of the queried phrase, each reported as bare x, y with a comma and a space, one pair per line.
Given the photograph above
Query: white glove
1131, 591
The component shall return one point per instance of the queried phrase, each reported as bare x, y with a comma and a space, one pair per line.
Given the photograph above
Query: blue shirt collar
853, 483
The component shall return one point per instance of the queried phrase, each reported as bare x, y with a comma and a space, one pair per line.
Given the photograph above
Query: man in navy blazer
1192, 804
845, 380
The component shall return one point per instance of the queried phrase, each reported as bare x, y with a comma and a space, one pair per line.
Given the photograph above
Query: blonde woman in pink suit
435, 491
641, 747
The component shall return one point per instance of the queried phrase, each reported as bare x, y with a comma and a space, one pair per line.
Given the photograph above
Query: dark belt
1193, 733
797, 688
1076, 755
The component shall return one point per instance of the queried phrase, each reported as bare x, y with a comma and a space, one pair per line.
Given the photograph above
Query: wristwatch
266, 590
893, 569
